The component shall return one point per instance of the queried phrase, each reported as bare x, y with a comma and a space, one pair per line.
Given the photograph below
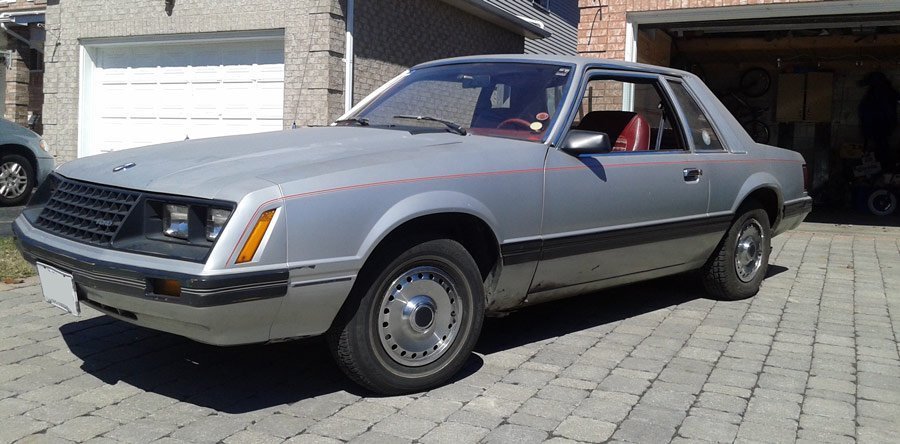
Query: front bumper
228, 309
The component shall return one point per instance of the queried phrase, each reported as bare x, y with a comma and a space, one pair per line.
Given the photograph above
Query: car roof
578, 62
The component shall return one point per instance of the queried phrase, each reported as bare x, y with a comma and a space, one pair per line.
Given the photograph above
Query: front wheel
417, 319
739, 264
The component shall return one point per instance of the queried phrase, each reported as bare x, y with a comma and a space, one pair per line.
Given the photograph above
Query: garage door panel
143, 98
152, 93
171, 129
268, 105
109, 140
202, 128
172, 101
206, 100
111, 100
239, 100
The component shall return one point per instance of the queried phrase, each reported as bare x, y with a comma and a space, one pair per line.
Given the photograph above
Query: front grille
86, 212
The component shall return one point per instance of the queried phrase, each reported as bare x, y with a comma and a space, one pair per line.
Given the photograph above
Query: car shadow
775, 270
249, 378
591, 310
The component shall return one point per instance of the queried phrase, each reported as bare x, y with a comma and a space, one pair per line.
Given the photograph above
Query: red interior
629, 130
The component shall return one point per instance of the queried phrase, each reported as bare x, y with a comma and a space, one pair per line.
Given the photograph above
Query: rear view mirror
579, 142
474, 81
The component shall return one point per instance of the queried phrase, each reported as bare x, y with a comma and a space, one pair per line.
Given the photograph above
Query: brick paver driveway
813, 357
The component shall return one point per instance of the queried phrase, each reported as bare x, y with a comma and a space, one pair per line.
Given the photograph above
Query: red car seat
630, 130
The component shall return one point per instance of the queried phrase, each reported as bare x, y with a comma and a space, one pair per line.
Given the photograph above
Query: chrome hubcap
748, 253
419, 316
13, 180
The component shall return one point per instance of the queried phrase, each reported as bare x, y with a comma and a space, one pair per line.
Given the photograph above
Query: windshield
515, 100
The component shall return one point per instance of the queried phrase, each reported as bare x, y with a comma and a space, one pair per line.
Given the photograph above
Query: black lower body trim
529, 251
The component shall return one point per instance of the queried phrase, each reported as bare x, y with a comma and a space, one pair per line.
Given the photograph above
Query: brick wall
313, 47
601, 32
392, 35
17, 94
21, 96
21, 5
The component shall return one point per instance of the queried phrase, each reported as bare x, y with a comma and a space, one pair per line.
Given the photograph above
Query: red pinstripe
481, 174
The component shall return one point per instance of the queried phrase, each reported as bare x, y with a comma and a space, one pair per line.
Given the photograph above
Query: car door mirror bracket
578, 142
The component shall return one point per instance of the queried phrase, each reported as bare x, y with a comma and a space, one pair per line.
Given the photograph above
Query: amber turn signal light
166, 287
256, 237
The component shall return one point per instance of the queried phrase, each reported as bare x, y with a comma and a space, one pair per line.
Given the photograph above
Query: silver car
462, 187
24, 162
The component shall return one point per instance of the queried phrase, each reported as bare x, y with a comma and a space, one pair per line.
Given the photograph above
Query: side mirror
579, 142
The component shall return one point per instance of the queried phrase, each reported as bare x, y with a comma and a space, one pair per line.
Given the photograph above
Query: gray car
462, 187
24, 162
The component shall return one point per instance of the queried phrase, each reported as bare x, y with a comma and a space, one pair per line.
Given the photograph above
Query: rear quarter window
699, 128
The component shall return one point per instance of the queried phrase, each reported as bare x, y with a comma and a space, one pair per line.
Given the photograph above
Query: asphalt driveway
812, 358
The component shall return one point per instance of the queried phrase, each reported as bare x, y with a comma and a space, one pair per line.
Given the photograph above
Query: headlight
175, 221
44, 146
215, 221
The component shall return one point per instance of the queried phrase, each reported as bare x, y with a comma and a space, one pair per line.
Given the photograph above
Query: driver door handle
692, 174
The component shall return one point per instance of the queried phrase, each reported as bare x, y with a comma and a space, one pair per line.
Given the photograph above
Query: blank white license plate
59, 288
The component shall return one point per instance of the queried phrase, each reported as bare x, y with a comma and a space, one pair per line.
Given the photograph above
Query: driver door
635, 209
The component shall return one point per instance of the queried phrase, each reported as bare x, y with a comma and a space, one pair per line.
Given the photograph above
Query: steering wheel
521, 122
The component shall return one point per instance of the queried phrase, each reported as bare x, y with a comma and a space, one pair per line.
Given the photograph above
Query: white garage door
144, 93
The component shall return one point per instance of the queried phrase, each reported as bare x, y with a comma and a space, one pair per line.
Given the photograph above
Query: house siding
393, 35
561, 21
313, 47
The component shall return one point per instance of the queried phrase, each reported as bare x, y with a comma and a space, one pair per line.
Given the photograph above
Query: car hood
230, 167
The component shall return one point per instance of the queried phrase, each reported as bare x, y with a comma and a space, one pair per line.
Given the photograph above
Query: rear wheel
739, 264
416, 319
16, 179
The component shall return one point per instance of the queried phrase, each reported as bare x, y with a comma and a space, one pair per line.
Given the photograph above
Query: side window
648, 126
700, 130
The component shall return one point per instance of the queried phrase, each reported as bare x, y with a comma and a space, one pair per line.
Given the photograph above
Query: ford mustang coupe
462, 187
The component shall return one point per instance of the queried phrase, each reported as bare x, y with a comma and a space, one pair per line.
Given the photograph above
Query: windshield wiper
357, 120
452, 126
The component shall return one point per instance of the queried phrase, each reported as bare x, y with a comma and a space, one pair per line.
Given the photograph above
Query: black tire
361, 338
882, 202
12, 193
721, 276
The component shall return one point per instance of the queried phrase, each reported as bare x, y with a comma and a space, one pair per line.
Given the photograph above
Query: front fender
424, 204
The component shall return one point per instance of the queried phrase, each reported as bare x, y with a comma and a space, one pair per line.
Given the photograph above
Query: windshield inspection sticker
536, 126
542, 116
562, 71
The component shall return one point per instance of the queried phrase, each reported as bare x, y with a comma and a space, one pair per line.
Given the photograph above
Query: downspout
348, 59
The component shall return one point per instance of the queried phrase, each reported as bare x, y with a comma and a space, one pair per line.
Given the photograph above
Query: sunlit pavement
813, 357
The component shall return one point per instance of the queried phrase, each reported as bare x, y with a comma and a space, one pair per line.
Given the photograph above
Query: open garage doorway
822, 82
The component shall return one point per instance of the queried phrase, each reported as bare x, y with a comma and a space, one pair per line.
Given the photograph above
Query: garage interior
798, 83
